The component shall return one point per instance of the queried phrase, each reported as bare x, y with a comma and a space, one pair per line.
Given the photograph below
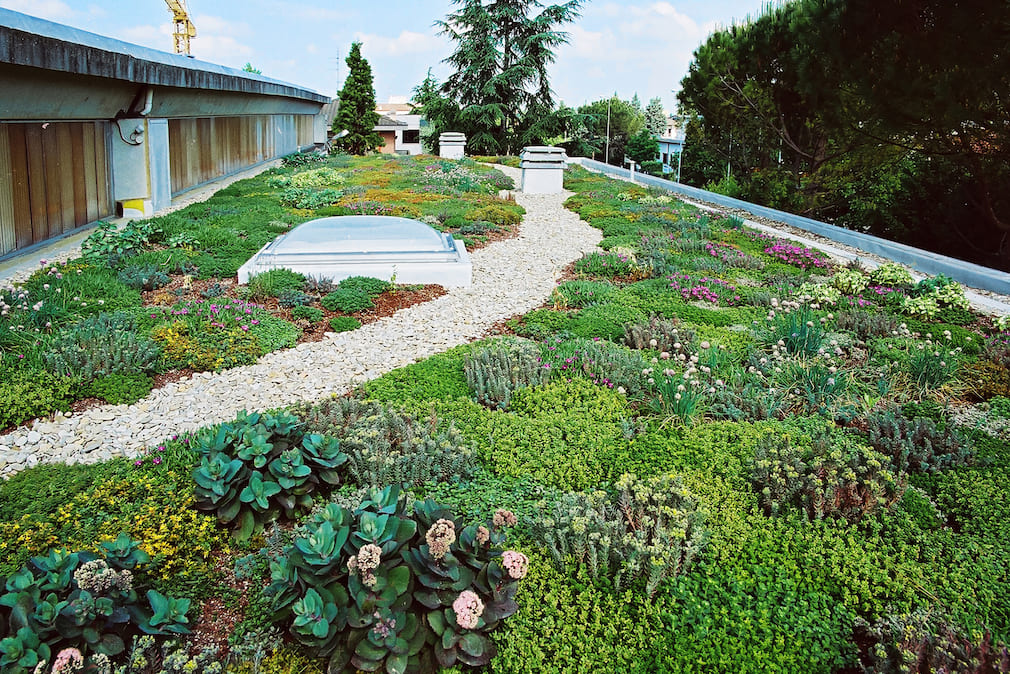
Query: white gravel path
509, 277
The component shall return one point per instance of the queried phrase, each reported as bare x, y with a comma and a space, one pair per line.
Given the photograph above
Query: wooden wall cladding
54, 178
203, 149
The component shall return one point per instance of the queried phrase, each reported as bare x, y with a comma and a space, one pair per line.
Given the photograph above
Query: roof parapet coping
32, 42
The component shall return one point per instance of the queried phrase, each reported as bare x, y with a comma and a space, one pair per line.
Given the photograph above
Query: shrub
311, 314
347, 300
320, 177
108, 241
344, 323
102, 345
891, 274
495, 371
866, 324
605, 265
303, 158
651, 530
600, 361
541, 323
27, 395
294, 298
385, 446
372, 287
829, 476
578, 294
380, 588
309, 197
272, 283
147, 277
922, 641
81, 601
120, 389
606, 320
917, 444
261, 466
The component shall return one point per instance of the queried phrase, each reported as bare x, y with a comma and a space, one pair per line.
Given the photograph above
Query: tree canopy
356, 111
500, 83
815, 105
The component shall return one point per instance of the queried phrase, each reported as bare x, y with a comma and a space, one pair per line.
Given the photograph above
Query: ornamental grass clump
77, 609
386, 446
261, 467
386, 587
494, 372
794, 326
579, 294
651, 530
606, 265
827, 475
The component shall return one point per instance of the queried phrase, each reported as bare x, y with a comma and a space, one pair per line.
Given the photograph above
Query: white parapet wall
451, 145
543, 169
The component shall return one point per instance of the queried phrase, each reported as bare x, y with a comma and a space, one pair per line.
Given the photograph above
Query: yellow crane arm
184, 28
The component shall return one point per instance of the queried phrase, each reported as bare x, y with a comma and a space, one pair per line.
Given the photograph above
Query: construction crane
184, 28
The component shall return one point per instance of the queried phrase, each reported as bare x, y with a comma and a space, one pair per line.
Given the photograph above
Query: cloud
407, 42
314, 13
53, 10
312, 48
642, 47
156, 37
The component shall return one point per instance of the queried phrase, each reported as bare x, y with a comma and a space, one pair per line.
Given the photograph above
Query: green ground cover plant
129, 305
805, 474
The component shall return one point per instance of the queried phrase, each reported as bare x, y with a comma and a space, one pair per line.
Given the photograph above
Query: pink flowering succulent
468, 608
440, 536
504, 518
516, 563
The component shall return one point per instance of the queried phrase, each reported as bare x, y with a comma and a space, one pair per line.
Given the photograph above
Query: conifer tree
356, 113
655, 118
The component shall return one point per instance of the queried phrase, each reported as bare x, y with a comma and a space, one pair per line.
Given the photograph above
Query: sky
634, 47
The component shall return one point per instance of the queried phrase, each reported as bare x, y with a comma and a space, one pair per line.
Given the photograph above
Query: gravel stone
509, 277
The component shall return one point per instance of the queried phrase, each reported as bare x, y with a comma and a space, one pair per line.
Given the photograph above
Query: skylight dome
366, 245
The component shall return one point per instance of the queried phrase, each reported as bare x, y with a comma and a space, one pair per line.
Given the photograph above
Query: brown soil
217, 620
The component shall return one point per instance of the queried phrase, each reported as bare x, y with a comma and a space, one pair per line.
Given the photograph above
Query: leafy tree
625, 123
356, 113
500, 82
655, 117
643, 147
441, 113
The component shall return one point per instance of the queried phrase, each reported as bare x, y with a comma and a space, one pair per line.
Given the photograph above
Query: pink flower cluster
516, 563
440, 536
705, 289
504, 518
798, 256
236, 313
468, 609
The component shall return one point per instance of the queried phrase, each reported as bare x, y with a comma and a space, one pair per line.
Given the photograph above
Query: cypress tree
356, 113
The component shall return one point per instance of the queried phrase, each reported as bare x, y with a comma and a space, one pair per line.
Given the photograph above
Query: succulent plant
376, 588
262, 466
81, 600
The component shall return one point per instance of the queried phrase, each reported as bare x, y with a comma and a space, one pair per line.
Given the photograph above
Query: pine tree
356, 113
500, 81
655, 118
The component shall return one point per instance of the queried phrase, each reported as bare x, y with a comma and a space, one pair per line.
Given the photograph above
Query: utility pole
606, 158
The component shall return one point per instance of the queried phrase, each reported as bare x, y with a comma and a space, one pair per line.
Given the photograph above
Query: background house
408, 125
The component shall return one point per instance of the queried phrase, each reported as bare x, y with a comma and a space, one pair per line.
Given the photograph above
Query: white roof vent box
366, 245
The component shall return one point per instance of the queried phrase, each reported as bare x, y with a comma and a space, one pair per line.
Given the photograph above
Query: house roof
387, 124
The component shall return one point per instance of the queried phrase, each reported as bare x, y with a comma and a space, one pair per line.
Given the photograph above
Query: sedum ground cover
712, 450
159, 295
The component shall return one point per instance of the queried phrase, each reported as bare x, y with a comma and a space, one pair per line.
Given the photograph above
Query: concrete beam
30, 42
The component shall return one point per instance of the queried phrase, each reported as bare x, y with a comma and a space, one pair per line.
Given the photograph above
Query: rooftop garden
157, 299
711, 450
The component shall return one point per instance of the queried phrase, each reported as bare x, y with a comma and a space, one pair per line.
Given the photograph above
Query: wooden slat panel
66, 170
54, 192
80, 181
37, 181
175, 152
8, 239
104, 182
21, 197
90, 171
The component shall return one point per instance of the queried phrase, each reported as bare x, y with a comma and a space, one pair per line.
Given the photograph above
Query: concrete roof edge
29, 41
